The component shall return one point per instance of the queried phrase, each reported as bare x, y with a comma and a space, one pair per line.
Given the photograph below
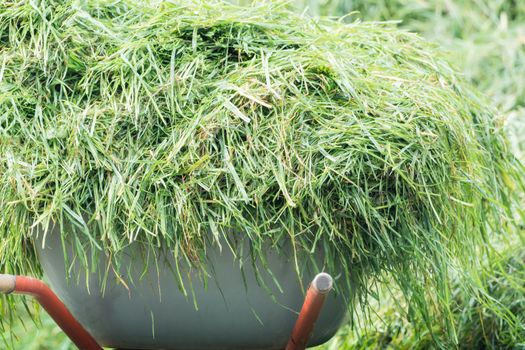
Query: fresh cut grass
197, 124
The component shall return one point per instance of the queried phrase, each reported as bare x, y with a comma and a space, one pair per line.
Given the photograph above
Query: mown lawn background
485, 40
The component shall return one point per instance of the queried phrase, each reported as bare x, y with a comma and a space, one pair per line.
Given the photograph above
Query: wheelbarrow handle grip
313, 303
53, 306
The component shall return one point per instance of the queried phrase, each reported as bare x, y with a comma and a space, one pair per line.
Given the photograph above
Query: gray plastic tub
231, 310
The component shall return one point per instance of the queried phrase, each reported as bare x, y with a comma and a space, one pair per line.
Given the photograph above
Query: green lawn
25, 334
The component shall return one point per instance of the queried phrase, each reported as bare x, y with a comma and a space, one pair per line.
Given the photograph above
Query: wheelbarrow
240, 306
298, 340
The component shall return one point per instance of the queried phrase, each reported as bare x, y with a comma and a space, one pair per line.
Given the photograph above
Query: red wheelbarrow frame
302, 330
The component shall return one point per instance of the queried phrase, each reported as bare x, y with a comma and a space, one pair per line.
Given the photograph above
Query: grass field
28, 334
486, 41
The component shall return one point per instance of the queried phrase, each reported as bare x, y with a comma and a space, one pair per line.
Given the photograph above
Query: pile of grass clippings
184, 125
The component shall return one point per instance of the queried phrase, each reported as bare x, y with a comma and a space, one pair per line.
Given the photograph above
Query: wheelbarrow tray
144, 305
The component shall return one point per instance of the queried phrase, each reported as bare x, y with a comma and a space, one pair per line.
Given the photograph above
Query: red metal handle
53, 306
313, 303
